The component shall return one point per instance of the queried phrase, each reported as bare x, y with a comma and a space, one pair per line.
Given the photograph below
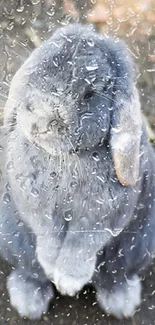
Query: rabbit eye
105, 89
89, 94
108, 86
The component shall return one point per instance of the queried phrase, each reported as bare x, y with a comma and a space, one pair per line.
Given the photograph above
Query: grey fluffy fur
86, 215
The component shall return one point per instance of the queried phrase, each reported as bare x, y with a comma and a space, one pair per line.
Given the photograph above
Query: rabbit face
68, 97
74, 92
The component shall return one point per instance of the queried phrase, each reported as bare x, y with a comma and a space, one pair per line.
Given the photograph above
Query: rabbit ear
126, 137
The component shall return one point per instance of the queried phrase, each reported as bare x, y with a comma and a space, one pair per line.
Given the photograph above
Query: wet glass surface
24, 25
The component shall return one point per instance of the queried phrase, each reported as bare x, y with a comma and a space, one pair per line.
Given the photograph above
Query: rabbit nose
56, 122
58, 125
51, 124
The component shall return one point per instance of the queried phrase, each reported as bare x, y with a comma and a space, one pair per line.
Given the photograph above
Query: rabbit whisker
2, 127
5, 137
12, 98
4, 96
86, 231
26, 152
77, 160
104, 96
5, 83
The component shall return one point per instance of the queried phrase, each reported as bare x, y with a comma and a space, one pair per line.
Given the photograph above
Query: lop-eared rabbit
79, 206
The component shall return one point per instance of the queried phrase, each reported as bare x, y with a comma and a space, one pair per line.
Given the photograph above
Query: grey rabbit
80, 202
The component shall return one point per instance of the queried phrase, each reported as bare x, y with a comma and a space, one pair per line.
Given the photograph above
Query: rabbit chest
44, 187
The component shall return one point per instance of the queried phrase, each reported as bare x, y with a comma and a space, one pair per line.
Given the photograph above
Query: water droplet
35, 2
110, 108
99, 266
35, 275
76, 130
44, 187
55, 62
35, 192
48, 216
73, 184
88, 81
55, 188
91, 68
113, 198
19, 177
114, 271
20, 223
7, 187
140, 206
9, 166
20, 9
100, 201
114, 232
101, 179
132, 281
1, 148
6, 198
51, 13
120, 254
90, 42
33, 160
10, 26
100, 252
68, 215
86, 116
93, 2
31, 177
117, 130
69, 197
53, 175
23, 186
96, 156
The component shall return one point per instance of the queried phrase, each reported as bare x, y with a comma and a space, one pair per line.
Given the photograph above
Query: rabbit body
81, 174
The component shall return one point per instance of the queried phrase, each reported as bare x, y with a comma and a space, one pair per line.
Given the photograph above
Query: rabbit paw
122, 302
47, 267
70, 276
29, 297
67, 284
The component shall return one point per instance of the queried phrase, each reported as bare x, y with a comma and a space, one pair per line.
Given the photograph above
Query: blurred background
24, 25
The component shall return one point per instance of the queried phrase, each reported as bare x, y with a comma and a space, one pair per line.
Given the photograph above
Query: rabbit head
76, 91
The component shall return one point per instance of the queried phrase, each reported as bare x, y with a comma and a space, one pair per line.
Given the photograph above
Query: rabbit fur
81, 197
